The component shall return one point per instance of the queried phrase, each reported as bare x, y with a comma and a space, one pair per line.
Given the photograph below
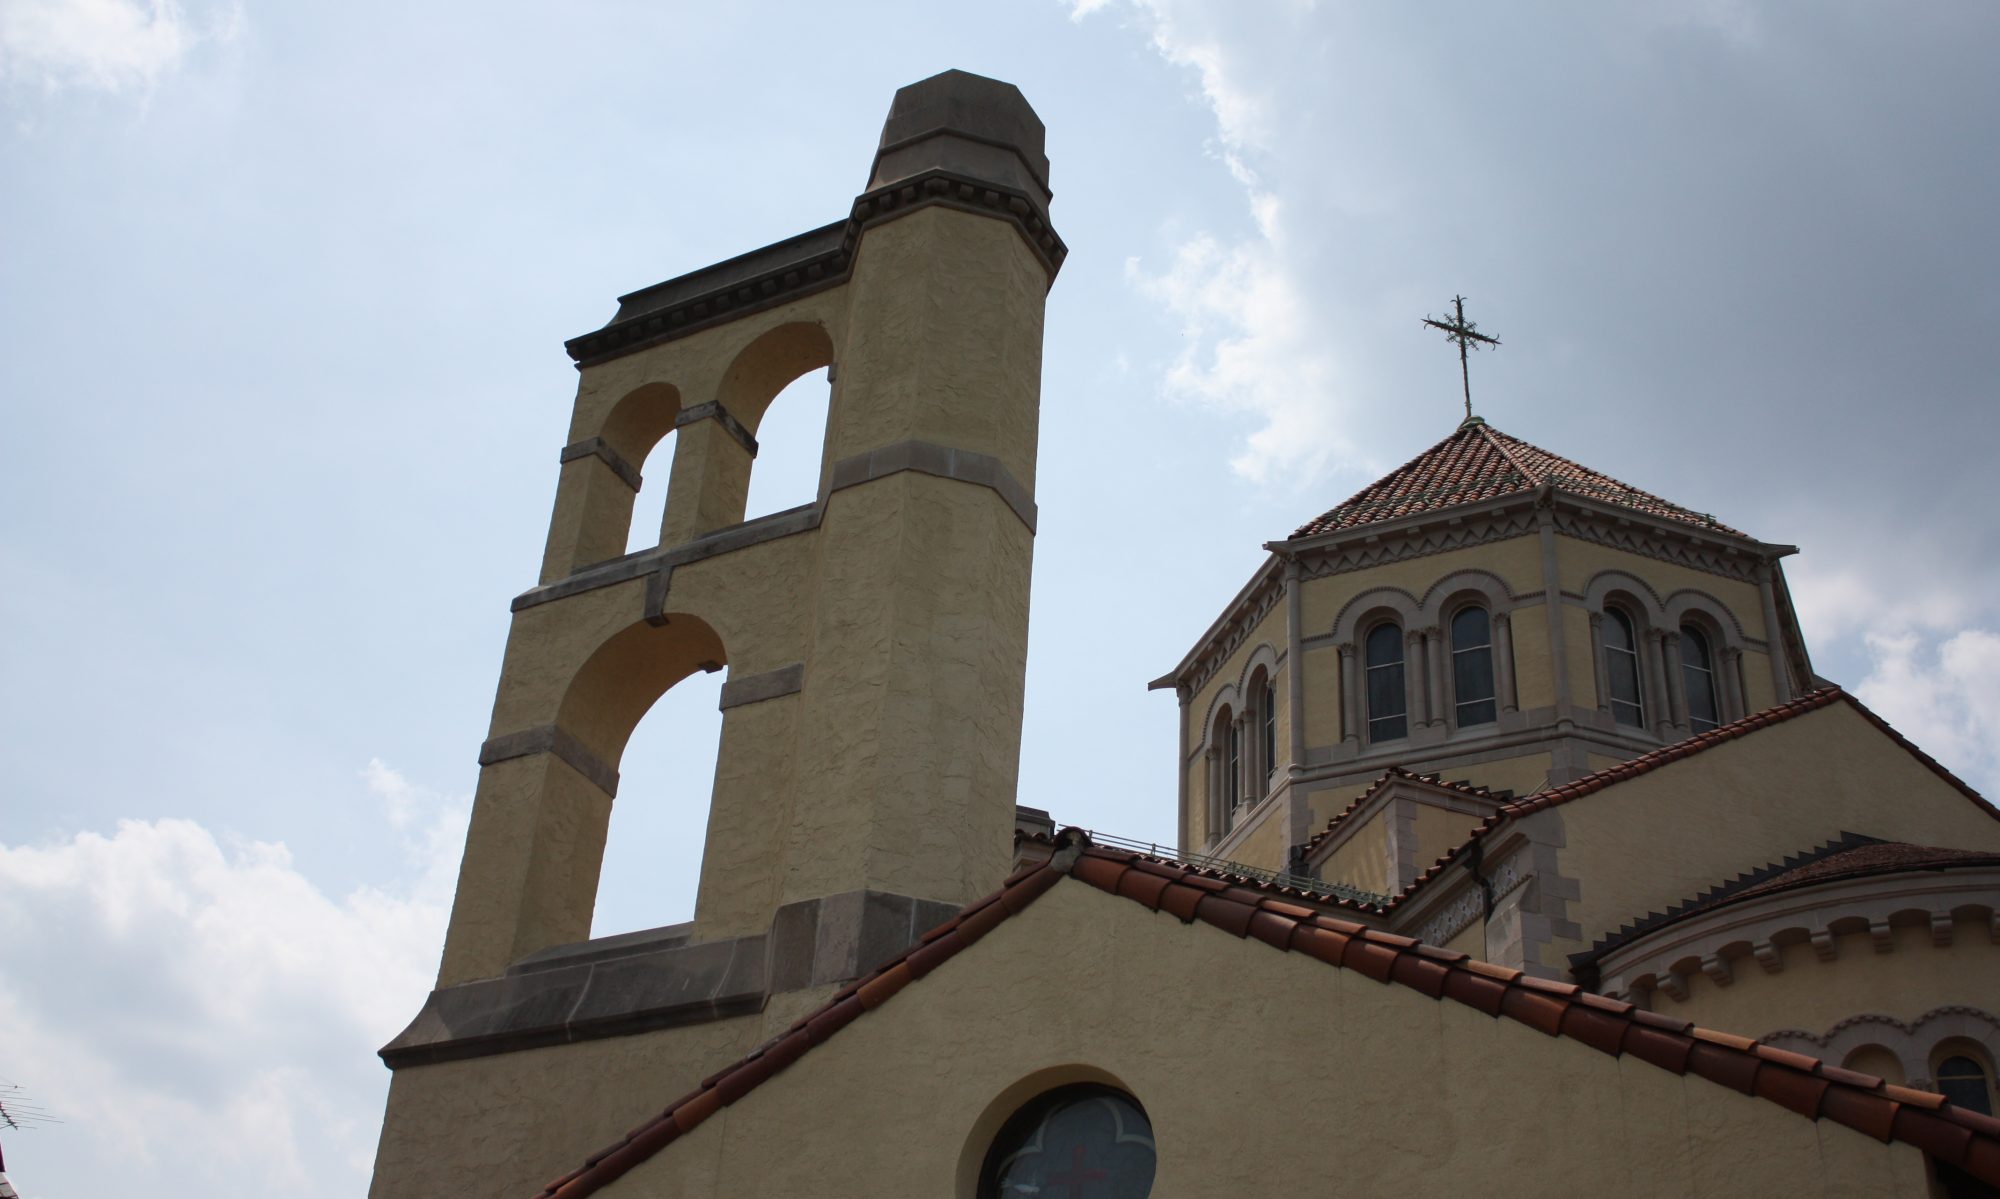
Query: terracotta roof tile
1590, 784
1964, 1139
1478, 462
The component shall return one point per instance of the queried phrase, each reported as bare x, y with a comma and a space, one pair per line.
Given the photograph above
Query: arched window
1963, 1080
1621, 668
1269, 761
1221, 755
1472, 667
1085, 1140
1388, 702
1698, 680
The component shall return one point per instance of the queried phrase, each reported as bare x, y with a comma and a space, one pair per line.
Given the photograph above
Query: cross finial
1468, 337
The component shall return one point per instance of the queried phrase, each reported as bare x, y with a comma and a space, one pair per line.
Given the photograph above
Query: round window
1078, 1142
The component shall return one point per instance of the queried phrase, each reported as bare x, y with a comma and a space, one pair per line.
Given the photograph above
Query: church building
1520, 847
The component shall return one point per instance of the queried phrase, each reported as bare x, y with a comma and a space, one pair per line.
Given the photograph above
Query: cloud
1944, 692
194, 1007
108, 45
1253, 336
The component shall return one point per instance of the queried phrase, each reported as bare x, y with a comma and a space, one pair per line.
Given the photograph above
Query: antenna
18, 1113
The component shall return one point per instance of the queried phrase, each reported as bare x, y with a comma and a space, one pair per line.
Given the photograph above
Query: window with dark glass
1270, 760
1621, 668
1078, 1142
1698, 679
1472, 666
1963, 1081
1387, 701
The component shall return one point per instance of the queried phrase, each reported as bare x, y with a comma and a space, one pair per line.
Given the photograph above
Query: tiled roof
1589, 784
1804, 1084
1397, 772
1478, 462
1852, 856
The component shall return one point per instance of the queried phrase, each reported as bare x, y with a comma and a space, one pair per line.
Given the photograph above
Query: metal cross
1468, 337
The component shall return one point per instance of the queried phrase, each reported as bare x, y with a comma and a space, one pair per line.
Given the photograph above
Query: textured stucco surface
500, 1127
1652, 841
1086, 984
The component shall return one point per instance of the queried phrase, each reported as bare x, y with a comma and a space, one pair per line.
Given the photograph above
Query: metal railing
1277, 878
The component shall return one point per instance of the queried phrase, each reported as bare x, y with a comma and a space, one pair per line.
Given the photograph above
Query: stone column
1295, 668
1732, 684
1434, 652
710, 482
1416, 696
1351, 717
1599, 670
1503, 662
1670, 645
1774, 641
1653, 667
1182, 693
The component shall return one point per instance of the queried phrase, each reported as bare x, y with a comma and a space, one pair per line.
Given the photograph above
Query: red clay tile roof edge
1394, 772
1646, 763
1805, 1085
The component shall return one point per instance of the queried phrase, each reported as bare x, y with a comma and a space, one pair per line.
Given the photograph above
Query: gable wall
1655, 840
1294, 1056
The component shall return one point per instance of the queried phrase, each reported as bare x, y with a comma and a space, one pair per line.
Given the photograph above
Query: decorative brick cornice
800, 266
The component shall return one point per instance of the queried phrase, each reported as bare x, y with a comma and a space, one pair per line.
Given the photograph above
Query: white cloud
1254, 341
201, 1015
1944, 694
109, 45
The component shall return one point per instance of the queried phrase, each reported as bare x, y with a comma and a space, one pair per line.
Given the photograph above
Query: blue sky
284, 290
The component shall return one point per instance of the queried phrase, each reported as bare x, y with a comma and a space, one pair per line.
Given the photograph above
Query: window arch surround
1656, 627
1427, 664
1385, 682
1066, 1137
1011, 1099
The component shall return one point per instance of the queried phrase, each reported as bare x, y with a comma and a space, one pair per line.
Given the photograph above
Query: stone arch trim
1690, 602
1449, 590
1606, 583
1408, 610
1265, 656
1912, 1042
766, 364
1227, 696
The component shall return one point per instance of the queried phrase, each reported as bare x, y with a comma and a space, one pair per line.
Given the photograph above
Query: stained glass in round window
1078, 1142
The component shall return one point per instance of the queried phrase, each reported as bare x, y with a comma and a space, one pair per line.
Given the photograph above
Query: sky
282, 295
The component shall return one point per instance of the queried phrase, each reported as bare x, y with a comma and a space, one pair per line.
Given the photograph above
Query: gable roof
1478, 462
1929, 1122
1852, 856
1395, 773
1590, 784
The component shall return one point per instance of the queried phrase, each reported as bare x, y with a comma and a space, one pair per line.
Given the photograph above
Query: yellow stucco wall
1363, 858
1439, 831
1534, 669
1085, 985
1812, 995
1652, 841
1265, 846
1523, 775
500, 1127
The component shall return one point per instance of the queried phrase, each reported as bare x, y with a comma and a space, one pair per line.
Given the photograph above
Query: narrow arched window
1698, 679
1472, 666
1388, 702
1621, 668
1963, 1080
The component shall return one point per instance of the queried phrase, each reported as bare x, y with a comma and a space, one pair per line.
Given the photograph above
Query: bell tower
875, 640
